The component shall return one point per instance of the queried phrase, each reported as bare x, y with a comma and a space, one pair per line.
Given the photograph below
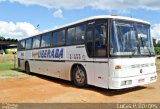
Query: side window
71, 37
100, 41
46, 41
19, 46
29, 43
22, 45
80, 33
58, 38
36, 42
89, 41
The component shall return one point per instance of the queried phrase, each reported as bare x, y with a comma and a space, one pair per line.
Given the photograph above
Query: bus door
97, 50
90, 52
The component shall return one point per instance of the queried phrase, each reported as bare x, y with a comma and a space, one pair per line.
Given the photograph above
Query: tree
154, 42
1, 37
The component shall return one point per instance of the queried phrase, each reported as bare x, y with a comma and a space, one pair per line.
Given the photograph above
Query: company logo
51, 53
34, 54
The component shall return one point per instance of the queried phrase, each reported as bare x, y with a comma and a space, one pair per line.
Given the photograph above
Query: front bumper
118, 83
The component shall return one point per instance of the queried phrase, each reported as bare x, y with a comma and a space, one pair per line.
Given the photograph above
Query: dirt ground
38, 89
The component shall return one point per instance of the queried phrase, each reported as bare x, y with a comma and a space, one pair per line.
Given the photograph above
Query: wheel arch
25, 64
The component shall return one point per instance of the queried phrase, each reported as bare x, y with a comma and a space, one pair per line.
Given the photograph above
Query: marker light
118, 67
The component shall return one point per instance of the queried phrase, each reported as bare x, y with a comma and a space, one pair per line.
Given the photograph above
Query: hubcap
80, 76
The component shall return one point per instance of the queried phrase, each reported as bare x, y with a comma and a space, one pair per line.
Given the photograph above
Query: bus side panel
21, 57
22, 64
54, 69
90, 73
78, 55
101, 72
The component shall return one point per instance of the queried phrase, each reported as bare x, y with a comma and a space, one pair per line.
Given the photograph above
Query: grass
6, 66
11, 74
7, 69
7, 62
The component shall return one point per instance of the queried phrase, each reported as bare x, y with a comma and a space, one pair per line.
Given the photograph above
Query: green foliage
7, 62
157, 50
6, 66
1, 37
9, 73
154, 42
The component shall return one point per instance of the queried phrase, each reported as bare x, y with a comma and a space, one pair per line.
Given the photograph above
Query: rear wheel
27, 68
79, 76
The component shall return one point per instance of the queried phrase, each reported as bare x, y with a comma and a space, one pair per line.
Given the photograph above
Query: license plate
141, 80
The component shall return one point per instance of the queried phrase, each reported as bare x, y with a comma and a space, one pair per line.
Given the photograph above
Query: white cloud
96, 4
58, 14
155, 31
17, 30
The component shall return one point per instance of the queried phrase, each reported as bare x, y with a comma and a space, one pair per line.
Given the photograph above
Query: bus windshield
130, 39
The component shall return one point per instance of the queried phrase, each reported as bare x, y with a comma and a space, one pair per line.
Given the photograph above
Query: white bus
111, 52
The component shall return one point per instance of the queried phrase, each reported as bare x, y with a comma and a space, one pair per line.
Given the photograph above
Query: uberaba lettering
50, 53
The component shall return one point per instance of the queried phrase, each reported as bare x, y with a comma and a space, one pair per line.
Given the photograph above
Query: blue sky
19, 18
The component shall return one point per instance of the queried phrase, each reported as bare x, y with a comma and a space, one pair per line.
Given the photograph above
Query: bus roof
95, 17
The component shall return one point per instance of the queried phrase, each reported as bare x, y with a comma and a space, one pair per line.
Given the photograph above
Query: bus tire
79, 76
27, 68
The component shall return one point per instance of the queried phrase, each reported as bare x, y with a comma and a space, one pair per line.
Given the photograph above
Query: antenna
37, 27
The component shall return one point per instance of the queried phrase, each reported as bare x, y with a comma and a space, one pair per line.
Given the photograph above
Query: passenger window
29, 43
46, 41
80, 33
22, 45
59, 38
71, 36
36, 42
100, 41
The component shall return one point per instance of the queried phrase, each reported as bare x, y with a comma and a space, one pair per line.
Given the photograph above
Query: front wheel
79, 76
